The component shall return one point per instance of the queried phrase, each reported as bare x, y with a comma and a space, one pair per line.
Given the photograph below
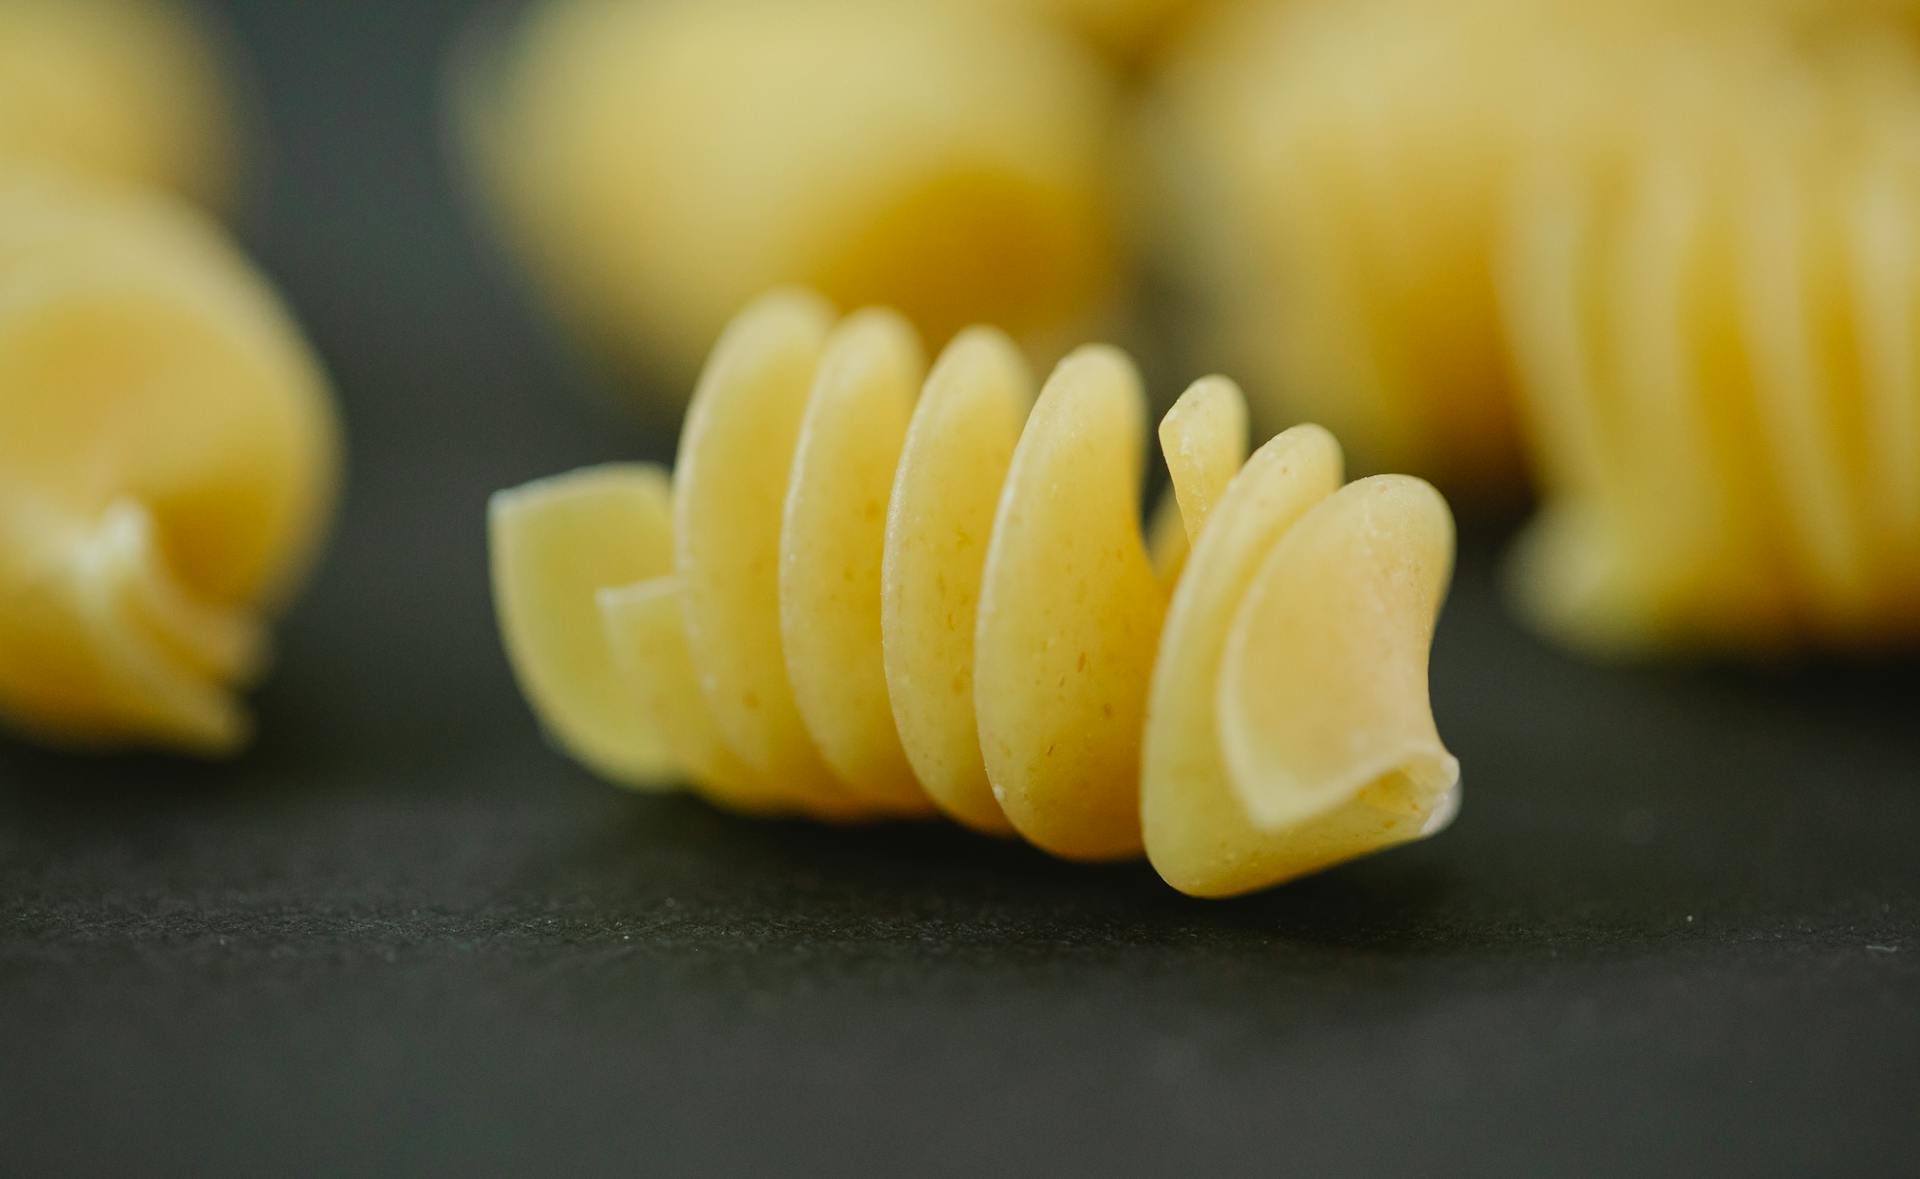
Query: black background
1677, 926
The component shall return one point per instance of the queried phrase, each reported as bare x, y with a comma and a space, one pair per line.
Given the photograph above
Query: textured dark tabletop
1676, 929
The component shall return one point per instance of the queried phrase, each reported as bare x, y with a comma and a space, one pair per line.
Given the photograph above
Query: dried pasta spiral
1714, 301
851, 604
167, 462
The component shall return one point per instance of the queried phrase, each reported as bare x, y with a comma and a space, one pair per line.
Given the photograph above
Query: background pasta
129, 90
1132, 32
167, 464
1648, 256
657, 164
1712, 297
1328, 175
1332, 172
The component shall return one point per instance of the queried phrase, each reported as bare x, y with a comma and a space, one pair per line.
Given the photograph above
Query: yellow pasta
131, 90
167, 459
1714, 299
1329, 174
657, 164
871, 590
1130, 31
1333, 175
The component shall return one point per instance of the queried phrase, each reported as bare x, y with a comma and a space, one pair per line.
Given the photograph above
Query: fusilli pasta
851, 604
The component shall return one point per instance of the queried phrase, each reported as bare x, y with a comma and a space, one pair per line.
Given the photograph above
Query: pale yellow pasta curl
122, 89
167, 462
657, 164
870, 589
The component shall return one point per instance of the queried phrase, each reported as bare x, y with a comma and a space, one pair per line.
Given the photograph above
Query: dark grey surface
1677, 927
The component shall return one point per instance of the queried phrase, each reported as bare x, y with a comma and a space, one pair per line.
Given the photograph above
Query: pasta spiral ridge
849, 604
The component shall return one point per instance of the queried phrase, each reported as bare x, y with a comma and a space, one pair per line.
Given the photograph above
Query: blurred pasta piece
1817, 15
1714, 297
657, 164
1328, 174
167, 462
873, 588
1133, 32
131, 90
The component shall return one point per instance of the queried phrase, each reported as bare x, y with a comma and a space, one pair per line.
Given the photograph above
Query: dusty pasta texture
1715, 314
657, 164
872, 589
130, 90
167, 461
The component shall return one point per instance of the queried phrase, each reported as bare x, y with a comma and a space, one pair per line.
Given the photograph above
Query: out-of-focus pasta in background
134, 90
1652, 256
1649, 259
168, 448
1656, 264
659, 164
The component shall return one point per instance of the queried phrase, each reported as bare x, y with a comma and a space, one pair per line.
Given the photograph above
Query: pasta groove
848, 602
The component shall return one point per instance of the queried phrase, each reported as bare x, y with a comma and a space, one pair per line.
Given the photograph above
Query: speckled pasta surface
168, 455
878, 588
